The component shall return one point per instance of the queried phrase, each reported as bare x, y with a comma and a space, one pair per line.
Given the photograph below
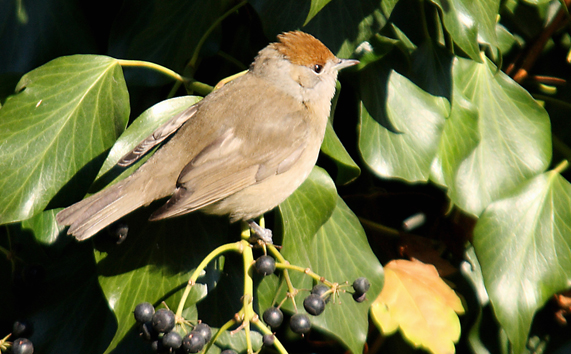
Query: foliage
456, 116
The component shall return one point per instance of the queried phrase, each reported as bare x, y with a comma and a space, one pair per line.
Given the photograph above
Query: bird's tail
92, 214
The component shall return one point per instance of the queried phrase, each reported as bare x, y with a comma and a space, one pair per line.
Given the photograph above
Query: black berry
320, 289
22, 346
273, 317
193, 342
268, 339
144, 312
163, 320
314, 304
148, 332
361, 285
265, 265
299, 323
172, 340
359, 297
204, 330
22, 329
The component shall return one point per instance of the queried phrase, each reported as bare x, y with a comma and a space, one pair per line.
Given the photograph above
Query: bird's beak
343, 63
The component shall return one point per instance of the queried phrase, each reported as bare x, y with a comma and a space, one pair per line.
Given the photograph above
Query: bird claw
261, 233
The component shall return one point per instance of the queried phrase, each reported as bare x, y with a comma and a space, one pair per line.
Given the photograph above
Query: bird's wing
237, 159
158, 136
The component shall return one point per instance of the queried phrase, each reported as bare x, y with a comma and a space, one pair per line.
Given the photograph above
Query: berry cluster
314, 303
158, 328
21, 345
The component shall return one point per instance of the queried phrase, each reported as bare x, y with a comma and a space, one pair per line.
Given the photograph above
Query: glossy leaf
316, 6
511, 144
523, 243
347, 169
337, 250
66, 113
469, 22
408, 149
419, 303
154, 264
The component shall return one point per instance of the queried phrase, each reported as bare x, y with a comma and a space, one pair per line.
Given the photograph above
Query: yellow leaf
418, 302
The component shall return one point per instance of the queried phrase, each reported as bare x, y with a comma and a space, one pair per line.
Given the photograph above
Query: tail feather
91, 215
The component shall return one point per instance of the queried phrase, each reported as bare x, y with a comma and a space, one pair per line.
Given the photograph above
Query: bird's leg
263, 233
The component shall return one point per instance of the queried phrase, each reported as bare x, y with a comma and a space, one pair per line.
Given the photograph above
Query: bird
240, 151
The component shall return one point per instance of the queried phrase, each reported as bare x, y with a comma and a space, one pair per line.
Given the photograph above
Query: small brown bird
241, 151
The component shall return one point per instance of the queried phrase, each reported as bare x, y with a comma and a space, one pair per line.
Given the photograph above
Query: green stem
307, 271
380, 228
200, 88
562, 166
194, 59
146, 64
423, 20
277, 344
273, 250
238, 247
248, 298
222, 329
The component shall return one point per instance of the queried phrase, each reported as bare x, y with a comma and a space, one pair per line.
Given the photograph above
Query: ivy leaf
154, 264
417, 119
419, 303
316, 6
67, 112
529, 227
506, 136
337, 250
469, 22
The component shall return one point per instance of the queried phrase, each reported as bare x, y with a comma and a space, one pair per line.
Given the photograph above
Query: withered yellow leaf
417, 301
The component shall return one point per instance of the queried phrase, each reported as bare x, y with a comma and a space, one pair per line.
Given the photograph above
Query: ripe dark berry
163, 320
268, 339
361, 285
204, 330
193, 342
148, 332
172, 340
22, 346
320, 289
299, 323
229, 351
144, 312
314, 304
22, 329
273, 317
265, 265
359, 297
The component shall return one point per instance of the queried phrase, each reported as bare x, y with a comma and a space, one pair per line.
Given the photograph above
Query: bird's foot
262, 233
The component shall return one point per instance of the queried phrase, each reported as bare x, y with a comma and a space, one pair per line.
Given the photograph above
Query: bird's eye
317, 68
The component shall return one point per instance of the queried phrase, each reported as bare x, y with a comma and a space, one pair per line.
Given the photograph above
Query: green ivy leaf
469, 22
511, 144
524, 247
347, 169
45, 227
66, 113
338, 251
417, 118
316, 6
154, 264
